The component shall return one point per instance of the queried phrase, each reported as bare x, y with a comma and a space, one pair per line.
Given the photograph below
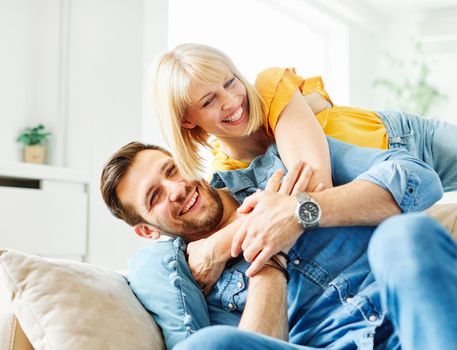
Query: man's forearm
359, 203
266, 306
221, 241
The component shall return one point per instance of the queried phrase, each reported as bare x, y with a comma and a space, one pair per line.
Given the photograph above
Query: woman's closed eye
208, 101
227, 85
229, 82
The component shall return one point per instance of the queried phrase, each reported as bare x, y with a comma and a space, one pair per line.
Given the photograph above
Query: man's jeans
408, 297
433, 141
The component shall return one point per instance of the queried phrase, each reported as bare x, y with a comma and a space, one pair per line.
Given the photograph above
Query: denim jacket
333, 301
413, 184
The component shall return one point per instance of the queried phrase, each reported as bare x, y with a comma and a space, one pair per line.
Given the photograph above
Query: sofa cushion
68, 305
446, 215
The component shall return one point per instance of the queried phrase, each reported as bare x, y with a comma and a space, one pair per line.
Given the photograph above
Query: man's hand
271, 225
205, 267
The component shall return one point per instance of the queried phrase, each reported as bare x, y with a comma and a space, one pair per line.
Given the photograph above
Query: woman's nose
228, 100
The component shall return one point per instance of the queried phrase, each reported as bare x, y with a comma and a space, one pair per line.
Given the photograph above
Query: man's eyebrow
148, 193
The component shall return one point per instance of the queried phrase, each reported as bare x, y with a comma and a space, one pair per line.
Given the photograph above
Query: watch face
309, 212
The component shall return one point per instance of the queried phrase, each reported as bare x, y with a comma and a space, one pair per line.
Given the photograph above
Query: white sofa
63, 305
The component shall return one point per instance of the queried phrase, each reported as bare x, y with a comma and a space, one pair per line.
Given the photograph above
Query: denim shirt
333, 301
414, 185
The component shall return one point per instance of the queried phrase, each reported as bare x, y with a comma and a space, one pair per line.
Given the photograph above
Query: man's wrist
279, 263
219, 248
308, 211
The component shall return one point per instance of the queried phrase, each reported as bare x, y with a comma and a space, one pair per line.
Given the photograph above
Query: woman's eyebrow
205, 96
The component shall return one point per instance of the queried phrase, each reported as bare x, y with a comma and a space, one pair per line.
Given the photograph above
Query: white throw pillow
67, 305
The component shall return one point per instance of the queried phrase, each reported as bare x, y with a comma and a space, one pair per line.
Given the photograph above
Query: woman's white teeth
191, 203
235, 116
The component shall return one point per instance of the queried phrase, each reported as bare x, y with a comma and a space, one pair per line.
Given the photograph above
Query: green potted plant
34, 141
409, 86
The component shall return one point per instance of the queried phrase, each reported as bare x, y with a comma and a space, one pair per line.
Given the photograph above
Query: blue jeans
431, 140
414, 262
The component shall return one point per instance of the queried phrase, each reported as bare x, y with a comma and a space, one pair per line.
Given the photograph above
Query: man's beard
199, 226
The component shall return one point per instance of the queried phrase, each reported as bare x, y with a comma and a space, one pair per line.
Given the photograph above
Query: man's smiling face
154, 188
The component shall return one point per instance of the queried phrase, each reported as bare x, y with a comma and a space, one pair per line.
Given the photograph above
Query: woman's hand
271, 225
205, 266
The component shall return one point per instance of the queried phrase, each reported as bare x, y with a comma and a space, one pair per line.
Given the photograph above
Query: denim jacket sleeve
161, 280
414, 185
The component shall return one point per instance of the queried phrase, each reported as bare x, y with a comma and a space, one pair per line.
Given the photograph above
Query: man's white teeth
235, 116
191, 202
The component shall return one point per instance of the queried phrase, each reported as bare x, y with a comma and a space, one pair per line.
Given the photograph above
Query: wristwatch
308, 212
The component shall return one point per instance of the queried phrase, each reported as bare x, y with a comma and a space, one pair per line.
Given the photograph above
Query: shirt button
372, 318
231, 306
239, 285
297, 262
349, 300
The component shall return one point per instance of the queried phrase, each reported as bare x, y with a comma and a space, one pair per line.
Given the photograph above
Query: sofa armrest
446, 215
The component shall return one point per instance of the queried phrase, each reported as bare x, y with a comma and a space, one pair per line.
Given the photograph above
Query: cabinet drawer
43, 222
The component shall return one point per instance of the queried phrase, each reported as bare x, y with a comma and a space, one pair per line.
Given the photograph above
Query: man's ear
187, 124
146, 231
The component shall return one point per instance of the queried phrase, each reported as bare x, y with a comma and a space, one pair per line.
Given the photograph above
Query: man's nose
176, 190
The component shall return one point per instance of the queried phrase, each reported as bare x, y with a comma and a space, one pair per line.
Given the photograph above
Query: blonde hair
172, 73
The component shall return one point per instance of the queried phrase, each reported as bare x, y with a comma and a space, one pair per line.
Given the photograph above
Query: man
334, 299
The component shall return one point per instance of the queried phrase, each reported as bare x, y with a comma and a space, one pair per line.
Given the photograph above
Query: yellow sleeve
276, 86
221, 161
315, 84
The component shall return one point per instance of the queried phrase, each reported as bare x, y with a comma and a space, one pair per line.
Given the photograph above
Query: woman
198, 92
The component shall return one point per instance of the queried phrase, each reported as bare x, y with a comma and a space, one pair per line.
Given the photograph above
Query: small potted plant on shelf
34, 141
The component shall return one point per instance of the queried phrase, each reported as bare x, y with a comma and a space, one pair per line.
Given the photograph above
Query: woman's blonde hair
172, 73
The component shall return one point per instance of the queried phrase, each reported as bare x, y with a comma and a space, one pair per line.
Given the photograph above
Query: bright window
258, 34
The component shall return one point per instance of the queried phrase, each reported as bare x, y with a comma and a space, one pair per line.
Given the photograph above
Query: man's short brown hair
113, 172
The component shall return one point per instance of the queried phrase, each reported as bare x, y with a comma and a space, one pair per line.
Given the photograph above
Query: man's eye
229, 83
172, 170
154, 197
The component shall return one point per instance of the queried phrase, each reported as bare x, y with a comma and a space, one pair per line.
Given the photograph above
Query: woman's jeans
414, 261
431, 140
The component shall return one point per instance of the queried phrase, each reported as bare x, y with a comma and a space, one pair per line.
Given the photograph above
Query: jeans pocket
365, 340
363, 303
401, 131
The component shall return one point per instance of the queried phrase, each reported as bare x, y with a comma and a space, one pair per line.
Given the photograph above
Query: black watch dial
309, 212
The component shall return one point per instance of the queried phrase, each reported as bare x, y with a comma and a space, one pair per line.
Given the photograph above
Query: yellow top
277, 86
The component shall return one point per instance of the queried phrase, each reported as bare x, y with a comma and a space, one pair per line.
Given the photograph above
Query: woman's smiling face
219, 108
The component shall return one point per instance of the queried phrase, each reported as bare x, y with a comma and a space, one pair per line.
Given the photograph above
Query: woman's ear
187, 124
146, 231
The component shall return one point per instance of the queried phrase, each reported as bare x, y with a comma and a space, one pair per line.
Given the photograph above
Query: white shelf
42, 172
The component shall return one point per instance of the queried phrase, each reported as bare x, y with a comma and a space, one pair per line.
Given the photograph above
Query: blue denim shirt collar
243, 182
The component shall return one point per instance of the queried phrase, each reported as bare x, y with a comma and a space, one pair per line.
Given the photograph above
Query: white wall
436, 30
29, 32
79, 66
107, 64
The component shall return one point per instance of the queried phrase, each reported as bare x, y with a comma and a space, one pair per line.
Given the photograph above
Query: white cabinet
43, 210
